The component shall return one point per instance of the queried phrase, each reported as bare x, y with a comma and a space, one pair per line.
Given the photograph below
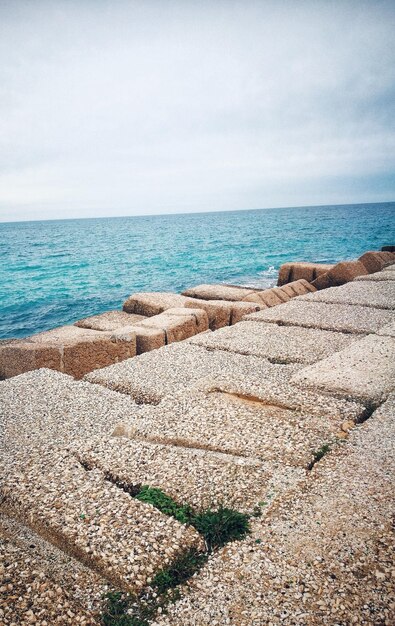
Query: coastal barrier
149, 321
285, 417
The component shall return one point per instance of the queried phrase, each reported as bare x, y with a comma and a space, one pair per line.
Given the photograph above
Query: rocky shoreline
277, 404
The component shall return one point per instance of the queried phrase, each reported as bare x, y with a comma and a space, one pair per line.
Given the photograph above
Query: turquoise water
55, 272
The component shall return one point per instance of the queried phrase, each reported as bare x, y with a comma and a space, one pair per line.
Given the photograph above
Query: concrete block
331, 533
110, 320
44, 408
339, 317
379, 294
152, 303
297, 288
218, 292
279, 344
376, 261
69, 349
175, 327
261, 428
150, 377
382, 276
340, 274
364, 371
86, 515
200, 316
31, 588
200, 477
295, 271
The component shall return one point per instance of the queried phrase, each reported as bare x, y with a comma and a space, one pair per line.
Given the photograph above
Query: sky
133, 108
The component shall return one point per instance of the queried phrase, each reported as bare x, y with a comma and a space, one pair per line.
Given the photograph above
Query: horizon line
306, 206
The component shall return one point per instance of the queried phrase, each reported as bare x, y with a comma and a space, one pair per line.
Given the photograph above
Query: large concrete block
110, 320
331, 534
295, 271
380, 294
376, 261
297, 288
176, 326
221, 312
147, 339
340, 274
279, 344
152, 303
196, 476
18, 356
261, 428
364, 371
43, 408
97, 522
339, 317
218, 292
150, 377
200, 316
377, 277
69, 349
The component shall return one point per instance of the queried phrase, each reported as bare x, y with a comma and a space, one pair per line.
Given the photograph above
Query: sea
56, 272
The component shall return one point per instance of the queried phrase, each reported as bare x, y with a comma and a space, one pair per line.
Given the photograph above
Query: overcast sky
128, 108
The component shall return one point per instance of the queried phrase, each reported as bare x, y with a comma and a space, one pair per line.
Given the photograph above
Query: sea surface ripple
56, 272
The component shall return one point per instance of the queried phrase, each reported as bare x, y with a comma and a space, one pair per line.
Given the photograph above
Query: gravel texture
54, 570
261, 429
87, 516
45, 407
377, 276
365, 371
280, 344
338, 317
110, 320
29, 596
388, 331
322, 556
218, 292
199, 478
149, 377
370, 294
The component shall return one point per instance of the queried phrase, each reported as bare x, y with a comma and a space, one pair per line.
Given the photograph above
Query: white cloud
130, 108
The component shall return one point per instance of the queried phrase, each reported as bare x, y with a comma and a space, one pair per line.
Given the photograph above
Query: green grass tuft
179, 571
319, 454
164, 503
221, 526
117, 611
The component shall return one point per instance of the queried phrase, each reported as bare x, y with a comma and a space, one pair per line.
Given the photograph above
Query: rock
388, 249
177, 324
152, 303
110, 320
376, 261
295, 271
218, 292
68, 349
147, 339
339, 274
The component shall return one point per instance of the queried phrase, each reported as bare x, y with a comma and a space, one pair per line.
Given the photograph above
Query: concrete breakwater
152, 320
284, 411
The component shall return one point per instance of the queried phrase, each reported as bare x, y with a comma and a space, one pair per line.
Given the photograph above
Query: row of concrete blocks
148, 321
322, 276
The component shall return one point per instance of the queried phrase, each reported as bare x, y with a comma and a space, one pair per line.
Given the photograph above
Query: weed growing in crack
221, 526
319, 454
218, 527
179, 571
164, 503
